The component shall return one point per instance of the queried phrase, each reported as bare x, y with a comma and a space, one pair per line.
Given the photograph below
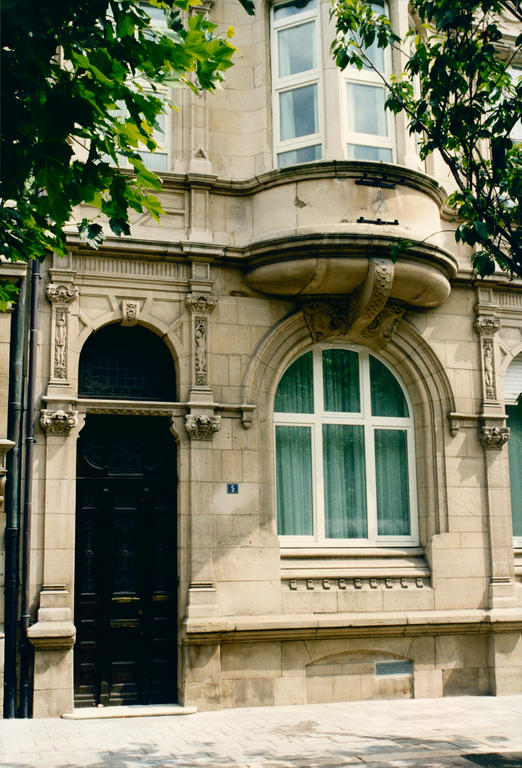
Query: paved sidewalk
464, 732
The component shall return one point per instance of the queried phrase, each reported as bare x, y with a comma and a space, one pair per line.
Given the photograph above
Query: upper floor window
296, 77
303, 105
344, 451
368, 125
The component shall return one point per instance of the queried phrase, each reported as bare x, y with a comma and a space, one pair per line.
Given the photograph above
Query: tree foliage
461, 101
80, 98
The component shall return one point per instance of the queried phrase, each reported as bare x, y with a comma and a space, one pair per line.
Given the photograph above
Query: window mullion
318, 444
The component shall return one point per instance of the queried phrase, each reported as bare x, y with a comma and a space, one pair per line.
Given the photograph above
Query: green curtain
294, 481
344, 481
391, 474
386, 392
341, 380
515, 464
295, 393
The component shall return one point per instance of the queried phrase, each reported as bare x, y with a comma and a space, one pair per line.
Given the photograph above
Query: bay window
344, 451
296, 82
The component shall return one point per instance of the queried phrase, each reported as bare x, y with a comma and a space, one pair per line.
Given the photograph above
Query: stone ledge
311, 626
134, 710
52, 635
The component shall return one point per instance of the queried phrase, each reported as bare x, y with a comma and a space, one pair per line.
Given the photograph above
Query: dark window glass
126, 364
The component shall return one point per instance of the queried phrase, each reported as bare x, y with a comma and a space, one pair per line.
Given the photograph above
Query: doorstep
133, 710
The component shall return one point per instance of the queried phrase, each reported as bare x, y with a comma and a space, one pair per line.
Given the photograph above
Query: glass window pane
341, 380
363, 152
296, 49
298, 112
293, 8
515, 464
386, 392
155, 161
295, 393
344, 481
366, 112
391, 475
294, 481
302, 155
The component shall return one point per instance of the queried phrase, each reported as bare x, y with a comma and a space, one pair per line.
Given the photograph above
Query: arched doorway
126, 580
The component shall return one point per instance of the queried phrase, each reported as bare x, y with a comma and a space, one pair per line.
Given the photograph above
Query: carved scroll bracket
58, 422
130, 311
61, 295
364, 314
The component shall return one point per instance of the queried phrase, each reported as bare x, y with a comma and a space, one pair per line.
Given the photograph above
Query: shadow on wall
358, 675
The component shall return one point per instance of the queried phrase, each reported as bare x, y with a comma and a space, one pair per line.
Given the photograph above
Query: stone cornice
332, 626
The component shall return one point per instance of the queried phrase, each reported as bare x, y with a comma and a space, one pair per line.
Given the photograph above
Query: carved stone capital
61, 293
130, 310
201, 426
200, 303
493, 437
487, 326
58, 422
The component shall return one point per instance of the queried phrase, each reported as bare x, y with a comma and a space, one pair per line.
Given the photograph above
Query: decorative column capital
493, 437
58, 422
487, 325
61, 293
200, 303
201, 426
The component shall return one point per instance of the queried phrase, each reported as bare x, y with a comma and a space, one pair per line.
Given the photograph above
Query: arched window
513, 399
126, 364
344, 451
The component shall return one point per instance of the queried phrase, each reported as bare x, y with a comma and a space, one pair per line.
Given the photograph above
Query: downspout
12, 497
25, 617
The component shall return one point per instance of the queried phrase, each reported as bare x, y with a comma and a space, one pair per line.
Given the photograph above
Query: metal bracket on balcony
375, 181
381, 222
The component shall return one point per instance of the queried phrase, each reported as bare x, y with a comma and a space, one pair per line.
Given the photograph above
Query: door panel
125, 563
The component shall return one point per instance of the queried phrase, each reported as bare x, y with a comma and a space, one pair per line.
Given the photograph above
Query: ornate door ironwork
125, 606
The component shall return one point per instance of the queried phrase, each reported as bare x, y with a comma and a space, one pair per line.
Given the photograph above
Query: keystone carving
202, 427
130, 310
493, 437
200, 303
58, 422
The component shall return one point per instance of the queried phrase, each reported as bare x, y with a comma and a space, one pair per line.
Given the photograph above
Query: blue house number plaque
232, 488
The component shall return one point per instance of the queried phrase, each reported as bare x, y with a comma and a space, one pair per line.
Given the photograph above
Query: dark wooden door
125, 594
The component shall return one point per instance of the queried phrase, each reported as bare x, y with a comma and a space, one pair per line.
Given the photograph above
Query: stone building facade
174, 555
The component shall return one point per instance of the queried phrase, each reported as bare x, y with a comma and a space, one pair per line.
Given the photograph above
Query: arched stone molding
423, 375
152, 323
510, 353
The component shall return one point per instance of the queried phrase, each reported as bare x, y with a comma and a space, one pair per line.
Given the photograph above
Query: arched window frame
370, 423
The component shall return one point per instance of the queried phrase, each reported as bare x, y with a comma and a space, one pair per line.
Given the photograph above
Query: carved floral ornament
61, 293
58, 422
493, 437
202, 426
487, 326
200, 303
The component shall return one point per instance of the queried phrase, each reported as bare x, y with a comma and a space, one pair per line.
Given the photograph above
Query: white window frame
515, 72
371, 78
364, 418
164, 147
292, 82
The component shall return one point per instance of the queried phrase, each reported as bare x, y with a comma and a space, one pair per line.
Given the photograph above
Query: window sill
351, 562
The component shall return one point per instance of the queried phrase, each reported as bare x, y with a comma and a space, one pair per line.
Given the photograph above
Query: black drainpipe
25, 646
12, 497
